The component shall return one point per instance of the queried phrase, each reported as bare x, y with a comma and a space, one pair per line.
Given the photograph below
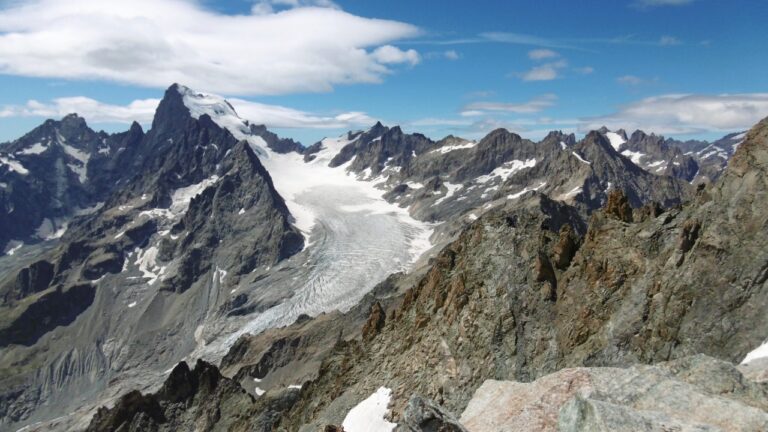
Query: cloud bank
142, 111
282, 46
687, 114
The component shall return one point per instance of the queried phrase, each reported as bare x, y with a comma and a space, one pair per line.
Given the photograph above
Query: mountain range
207, 274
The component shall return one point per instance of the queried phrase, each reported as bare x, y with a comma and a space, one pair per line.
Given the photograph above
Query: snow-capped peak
224, 115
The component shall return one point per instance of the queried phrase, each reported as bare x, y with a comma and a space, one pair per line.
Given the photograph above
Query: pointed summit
172, 109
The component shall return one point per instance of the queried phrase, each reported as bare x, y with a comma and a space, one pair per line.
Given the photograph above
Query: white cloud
157, 42
275, 116
142, 111
586, 70
630, 80
540, 54
389, 54
451, 55
534, 105
545, 72
669, 41
92, 110
687, 114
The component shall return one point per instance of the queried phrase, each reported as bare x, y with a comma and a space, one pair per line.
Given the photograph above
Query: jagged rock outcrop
380, 146
199, 399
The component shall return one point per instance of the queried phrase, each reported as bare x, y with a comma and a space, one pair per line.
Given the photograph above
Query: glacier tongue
354, 238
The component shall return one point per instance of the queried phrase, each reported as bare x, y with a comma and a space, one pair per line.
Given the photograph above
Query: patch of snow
563, 145
259, 391
578, 156
294, 386
615, 139
757, 353
158, 213
519, 194
241, 212
452, 188
573, 192
633, 156
256, 380
366, 174
181, 197
695, 175
81, 168
51, 229
738, 137
369, 415
13, 246
655, 164
472, 217
13, 165
506, 170
34, 149
450, 148
414, 185
131, 304
3, 185
146, 259
712, 150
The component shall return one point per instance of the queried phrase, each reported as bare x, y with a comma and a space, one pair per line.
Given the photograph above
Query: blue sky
315, 68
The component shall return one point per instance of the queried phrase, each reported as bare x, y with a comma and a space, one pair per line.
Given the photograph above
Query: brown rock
618, 206
375, 323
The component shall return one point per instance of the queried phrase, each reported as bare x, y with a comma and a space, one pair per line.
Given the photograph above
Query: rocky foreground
530, 320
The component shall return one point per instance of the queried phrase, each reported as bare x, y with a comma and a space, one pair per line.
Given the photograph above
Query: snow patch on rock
369, 415
506, 170
615, 139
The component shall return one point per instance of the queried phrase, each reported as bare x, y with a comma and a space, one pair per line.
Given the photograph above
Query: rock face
128, 285
693, 393
60, 169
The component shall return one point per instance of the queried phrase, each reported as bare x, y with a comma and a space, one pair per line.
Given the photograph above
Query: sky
315, 68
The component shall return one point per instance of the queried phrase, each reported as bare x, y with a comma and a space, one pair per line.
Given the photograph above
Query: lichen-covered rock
691, 394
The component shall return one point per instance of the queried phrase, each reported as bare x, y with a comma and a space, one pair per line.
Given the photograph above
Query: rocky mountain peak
171, 109
753, 152
598, 139
558, 136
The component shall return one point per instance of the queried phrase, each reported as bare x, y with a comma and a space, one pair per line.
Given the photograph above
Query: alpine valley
207, 275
